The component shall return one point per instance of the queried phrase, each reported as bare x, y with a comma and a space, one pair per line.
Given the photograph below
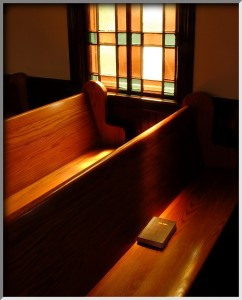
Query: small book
157, 232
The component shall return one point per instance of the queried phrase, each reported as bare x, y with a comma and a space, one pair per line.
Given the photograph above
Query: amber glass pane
152, 63
122, 61
152, 86
136, 61
109, 82
93, 59
108, 60
121, 12
170, 17
135, 17
92, 17
107, 38
169, 64
152, 18
106, 20
153, 39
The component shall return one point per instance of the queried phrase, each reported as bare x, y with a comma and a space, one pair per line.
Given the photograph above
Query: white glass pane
152, 18
106, 17
108, 60
152, 63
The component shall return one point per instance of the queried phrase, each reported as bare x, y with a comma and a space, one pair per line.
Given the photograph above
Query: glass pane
108, 60
135, 17
153, 18
136, 85
136, 62
92, 18
153, 39
121, 12
94, 77
122, 83
169, 64
122, 39
169, 88
152, 86
93, 38
152, 63
170, 17
170, 40
122, 61
136, 39
93, 59
109, 81
106, 20
107, 38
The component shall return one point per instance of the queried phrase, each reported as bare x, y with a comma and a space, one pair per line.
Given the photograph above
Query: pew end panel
213, 154
97, 94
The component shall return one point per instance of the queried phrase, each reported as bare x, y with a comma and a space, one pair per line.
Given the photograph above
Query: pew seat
32, 194
201, 212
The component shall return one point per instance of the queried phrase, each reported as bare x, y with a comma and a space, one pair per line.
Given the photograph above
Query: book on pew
157, 232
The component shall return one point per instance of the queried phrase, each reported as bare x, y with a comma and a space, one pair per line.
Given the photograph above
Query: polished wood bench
81, 239
48, 146
202, 210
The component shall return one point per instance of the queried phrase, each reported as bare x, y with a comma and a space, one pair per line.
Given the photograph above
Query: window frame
78, 50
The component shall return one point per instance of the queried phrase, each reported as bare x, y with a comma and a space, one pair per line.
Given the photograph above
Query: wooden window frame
78, 53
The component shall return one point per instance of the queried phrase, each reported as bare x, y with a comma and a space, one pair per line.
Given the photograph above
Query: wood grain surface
201, 211
66, 244
38, 142
97, 94
36, 192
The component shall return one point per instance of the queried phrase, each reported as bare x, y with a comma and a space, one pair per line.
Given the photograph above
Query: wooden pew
201, 211
46, 147
86, 228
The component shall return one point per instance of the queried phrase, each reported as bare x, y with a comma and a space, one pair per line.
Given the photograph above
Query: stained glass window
133, 47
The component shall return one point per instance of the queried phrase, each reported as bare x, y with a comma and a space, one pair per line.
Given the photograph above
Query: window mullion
141, 49
98, 44
163, 50
129, 71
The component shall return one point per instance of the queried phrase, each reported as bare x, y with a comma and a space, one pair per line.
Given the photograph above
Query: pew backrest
42, 140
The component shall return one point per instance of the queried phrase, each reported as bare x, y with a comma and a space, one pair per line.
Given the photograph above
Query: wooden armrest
201, 211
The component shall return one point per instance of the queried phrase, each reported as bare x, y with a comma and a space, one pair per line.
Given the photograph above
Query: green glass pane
170, 40
94, 77
122, 83
169, 88
136, 85
136, 39
122, 40
93, 38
